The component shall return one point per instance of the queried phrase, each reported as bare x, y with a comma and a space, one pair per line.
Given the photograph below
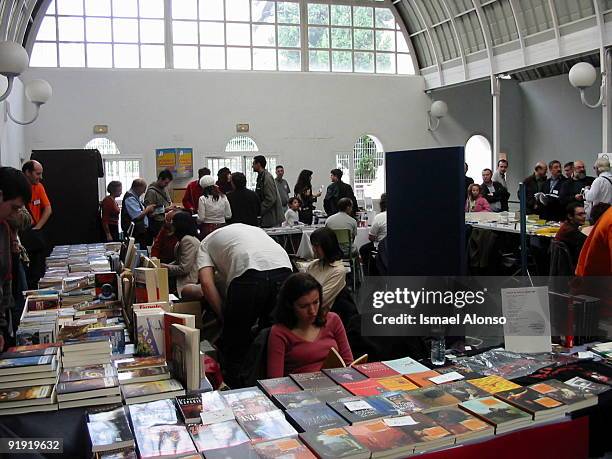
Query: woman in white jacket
213, 208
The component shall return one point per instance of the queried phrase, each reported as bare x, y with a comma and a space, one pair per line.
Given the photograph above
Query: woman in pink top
475, 202
303, 335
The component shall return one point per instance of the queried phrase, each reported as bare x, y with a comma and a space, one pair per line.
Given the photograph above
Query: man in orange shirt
596, 254
40, 209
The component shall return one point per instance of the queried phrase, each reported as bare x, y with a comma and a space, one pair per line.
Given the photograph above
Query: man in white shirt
342, 220
601, 188
250, 268
377, 233
499, 175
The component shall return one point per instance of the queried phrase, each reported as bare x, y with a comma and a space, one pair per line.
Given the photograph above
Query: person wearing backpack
601, 188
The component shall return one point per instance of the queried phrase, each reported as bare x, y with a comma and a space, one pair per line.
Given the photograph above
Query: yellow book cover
392, 383
493, 384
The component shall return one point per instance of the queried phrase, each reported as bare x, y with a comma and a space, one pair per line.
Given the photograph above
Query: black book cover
314, 417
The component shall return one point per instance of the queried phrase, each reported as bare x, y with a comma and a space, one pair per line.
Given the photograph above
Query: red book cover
421, 379
375, 370
365, 388
169, 320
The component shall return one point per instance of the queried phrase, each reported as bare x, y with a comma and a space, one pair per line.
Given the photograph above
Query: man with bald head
535, 184
573, 190
134, 211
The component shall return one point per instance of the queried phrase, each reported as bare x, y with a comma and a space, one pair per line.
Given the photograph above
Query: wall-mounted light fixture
38, 92
14, 61
583, 75
438, 110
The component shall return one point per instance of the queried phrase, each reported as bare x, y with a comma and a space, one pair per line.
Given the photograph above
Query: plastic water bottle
438, 349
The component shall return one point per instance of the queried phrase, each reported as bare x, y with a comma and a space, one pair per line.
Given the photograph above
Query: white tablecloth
305, 248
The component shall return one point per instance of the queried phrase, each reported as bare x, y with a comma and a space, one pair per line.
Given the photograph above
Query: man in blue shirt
133, 211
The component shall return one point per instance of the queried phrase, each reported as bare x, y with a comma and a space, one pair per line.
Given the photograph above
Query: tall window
364, 169
478, 156
222, 34
125, 170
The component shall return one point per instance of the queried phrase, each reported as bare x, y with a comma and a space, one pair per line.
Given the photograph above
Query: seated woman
303, 335
327, 269
213, 208
475, 202
184, 269
165, 241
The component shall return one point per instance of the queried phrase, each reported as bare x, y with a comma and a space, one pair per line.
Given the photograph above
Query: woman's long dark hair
213, 191
296, 286
328, 241
303, 182
184, 225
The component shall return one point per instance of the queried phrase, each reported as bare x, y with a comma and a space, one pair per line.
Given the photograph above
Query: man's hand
579, 197
149, 209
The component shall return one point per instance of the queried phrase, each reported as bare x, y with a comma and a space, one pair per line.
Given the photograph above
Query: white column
496, 94
606, 107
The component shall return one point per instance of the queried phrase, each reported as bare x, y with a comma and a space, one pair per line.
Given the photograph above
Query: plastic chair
345, 238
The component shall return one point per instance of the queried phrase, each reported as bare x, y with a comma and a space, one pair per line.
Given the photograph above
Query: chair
561, 263
345, 237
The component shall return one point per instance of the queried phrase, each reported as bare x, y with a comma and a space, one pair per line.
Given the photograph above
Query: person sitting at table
184, 269
327, 269
569, 233
342, 220
475, 201
303, 334
377, 233
165, 241
292, 217
213, 208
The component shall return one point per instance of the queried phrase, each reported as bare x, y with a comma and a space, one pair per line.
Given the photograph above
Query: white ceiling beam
457, 39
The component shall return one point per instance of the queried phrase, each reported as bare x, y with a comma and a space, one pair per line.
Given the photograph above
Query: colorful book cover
284, 448
495, 411
459, 422
314, 417
344, 375
375, 370
266, 426
377, 409
125, 377
532, 401
216, 436
421, 378
493, 384
110, 429
432, 397
329, 394
149, 414
587, 386
140, 362
26, 362
164, 440
48, 351
365, 388
404, 402
573, 397
398, 382
106, 286
203, 407
313, 380
25, 393
334, 443
405, 365
87, 372
277, 386
33, 347
150, 332
150, 388
296, 399
249, 400
116, 337
86, 385
380, 438
463, 391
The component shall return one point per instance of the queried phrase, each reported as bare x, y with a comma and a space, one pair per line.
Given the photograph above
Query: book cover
574, 398
314, 380
296, 399
143, 375
48, 351
86, 385
171, 318
329, 394
364, 388
493, 384
398, 382
377, 409
344, 375
164, 440
375, 370
266, 426
284, 448
432, 397
87, 372
460, 423
140, 362
109, 430
25, 394
403, 401
208, 406
123, 453
249, 400
185, 355
380, 438
149, 325
160, 412
115, 335
21, 364
533, 402
33, 347
241, 451
405, 365
587, 386
150, 388
277, 386
314, 417
218, 435
106, 286
463, 391
421, 378
335, 443
495, 411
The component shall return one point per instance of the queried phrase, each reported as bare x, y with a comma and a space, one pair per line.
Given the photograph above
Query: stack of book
145, 379
86, 350
39, 320
88, 386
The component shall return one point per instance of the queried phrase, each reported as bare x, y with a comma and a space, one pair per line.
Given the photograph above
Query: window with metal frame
364, 169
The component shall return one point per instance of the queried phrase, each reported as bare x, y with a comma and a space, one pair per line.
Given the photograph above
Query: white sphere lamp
438, 109
13, 62
38, 91
582, 75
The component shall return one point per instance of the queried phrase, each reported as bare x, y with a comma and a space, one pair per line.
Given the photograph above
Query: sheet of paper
586, 355
357, 405
400, 421
448, 377
527, 314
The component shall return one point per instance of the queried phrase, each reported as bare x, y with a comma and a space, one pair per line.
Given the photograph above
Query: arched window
103, 145
365, 168
124, 170
478, 156
241, 143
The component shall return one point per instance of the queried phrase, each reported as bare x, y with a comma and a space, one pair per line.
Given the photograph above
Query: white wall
305, 118
12, 141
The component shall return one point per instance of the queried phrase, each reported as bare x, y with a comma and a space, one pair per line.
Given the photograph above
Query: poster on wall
165, 158
184, 163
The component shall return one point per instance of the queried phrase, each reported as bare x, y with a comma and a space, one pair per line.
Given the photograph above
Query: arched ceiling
454, 40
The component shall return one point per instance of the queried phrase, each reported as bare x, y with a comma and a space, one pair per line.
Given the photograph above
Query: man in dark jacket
494, 192
271, 208
569, 232
337, 190
245, 203
571, 190
551, 203
158, 196
534, 184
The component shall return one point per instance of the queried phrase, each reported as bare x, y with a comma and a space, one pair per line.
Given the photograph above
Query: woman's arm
201, 210
228, 209
340, 336
187, 253
277, 345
